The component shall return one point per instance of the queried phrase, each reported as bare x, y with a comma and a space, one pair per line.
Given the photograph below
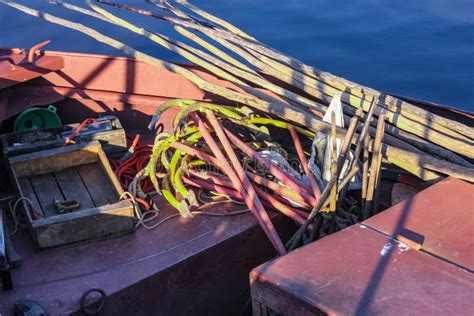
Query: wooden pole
416, 163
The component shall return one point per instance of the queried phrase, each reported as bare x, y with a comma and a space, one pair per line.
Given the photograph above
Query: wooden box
78, 173
108, 131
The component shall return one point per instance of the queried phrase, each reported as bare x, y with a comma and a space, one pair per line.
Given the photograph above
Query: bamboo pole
374, 170
395, 105
215, 20
418, 162
418, 131
227, 35
241, 183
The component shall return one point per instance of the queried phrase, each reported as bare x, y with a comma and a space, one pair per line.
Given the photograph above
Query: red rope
78, 129
127, 170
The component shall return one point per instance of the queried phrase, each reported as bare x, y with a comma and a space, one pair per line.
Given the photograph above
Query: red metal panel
439, 220
13, 101
11, 74
359, 271
102, 79
124, 75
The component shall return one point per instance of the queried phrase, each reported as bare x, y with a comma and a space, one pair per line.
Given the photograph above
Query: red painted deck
181, 267
201, 266
361, 271
196, 266
438, 220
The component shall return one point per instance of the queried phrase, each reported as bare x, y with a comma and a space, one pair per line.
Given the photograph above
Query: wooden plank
53, 160
47, 190
73, 188
91, 224
97, 184
112, 141
107, 169
28, 192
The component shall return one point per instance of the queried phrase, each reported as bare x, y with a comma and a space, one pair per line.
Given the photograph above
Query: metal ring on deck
89, 311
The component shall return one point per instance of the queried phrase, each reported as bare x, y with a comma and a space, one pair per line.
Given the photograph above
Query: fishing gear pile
358, 130
229, 151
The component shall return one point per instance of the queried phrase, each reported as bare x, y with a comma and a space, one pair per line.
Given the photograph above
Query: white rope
13, 211
194, 213
142, 217
225, 198
277, 159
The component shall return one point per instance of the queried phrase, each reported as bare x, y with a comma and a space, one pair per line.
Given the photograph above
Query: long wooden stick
333, 194
395, 117
417, 162
403, 123
396, 105
304, 162
374, 170
244, 187
365, 172
327, 190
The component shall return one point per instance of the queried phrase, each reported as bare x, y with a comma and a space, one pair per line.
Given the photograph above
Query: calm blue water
423, 49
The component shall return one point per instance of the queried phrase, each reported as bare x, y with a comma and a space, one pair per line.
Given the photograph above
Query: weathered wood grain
56, 159
97, 183
73, 188
28, 192
46, 189
77, 172
91, 224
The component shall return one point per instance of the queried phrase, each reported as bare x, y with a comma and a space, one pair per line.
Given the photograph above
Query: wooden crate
113, 141
78, 172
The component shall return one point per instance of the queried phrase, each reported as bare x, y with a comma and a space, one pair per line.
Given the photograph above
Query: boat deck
175, 269
411, 259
